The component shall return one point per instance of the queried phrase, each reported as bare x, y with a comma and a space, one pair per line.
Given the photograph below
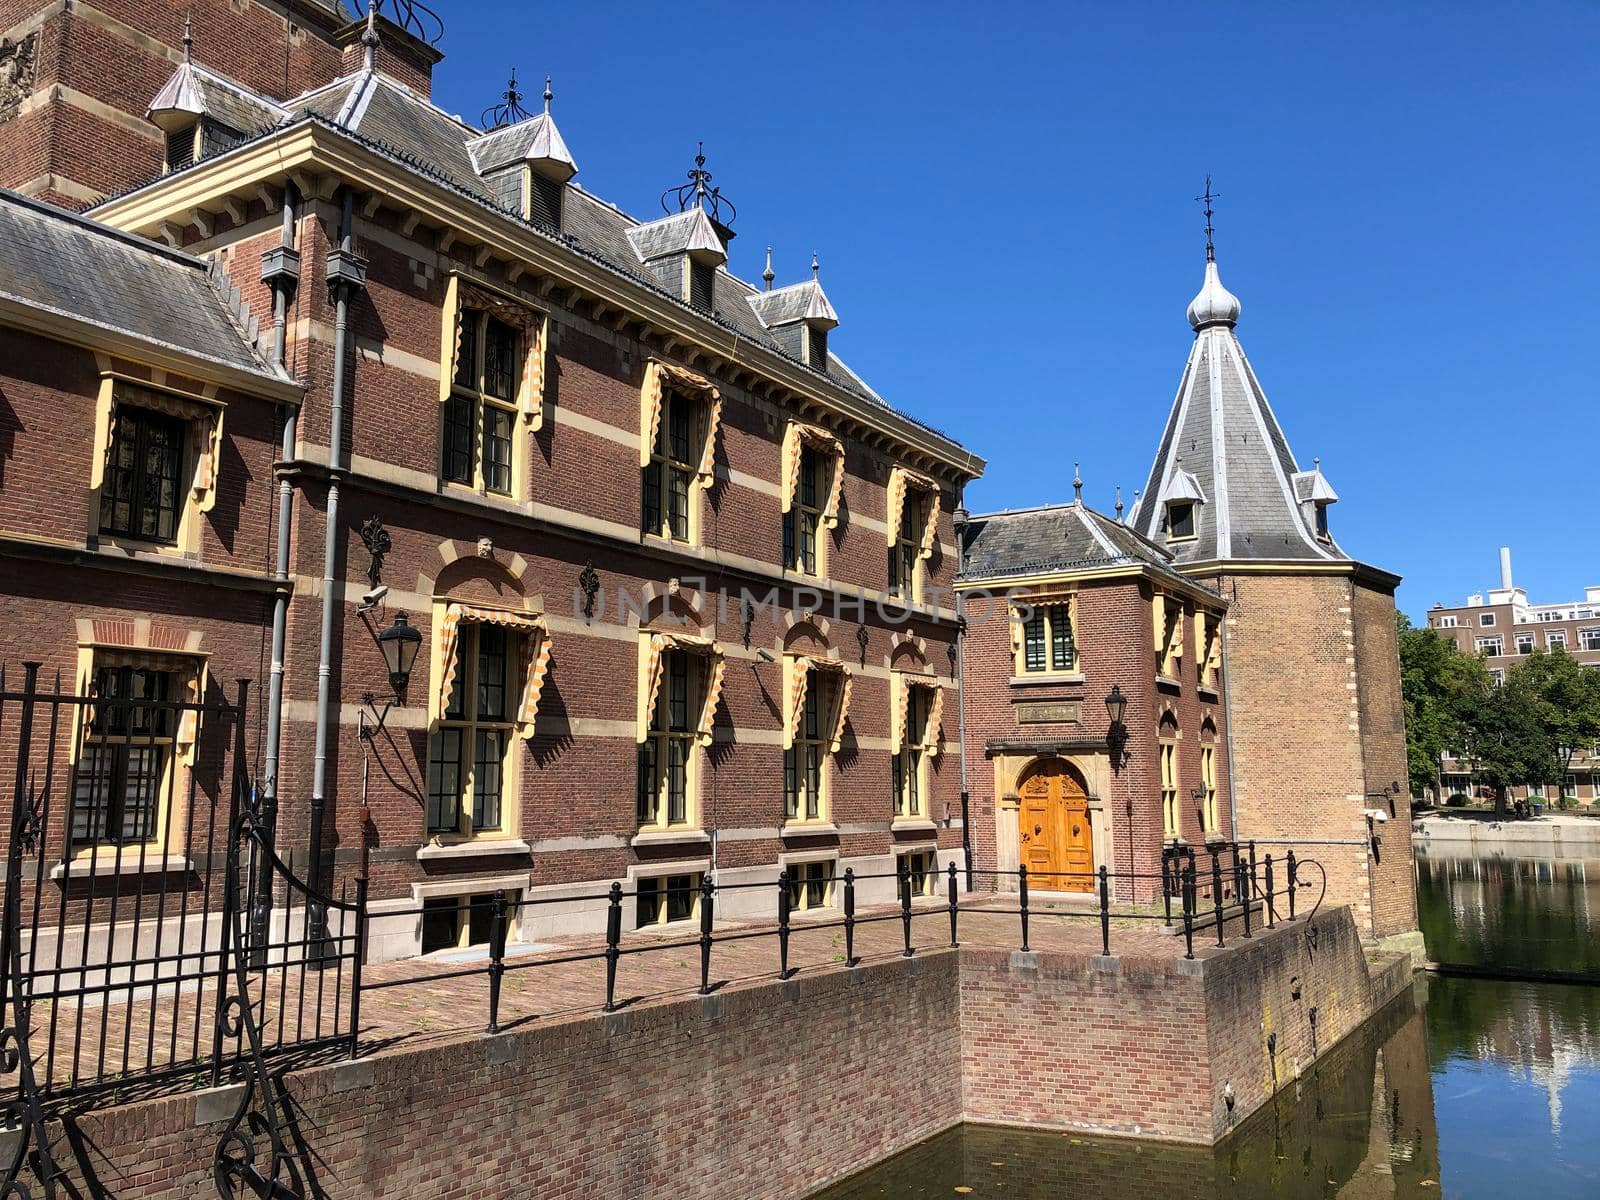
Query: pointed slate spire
1224, 451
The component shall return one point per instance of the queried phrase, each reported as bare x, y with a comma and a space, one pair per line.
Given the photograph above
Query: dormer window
1322, 523
1180, 520
182, 146
544, 199
816, 348
702, 284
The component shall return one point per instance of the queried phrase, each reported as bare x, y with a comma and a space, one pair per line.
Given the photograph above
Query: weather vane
1206, 199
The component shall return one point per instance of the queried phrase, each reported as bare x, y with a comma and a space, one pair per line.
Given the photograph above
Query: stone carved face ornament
18, 67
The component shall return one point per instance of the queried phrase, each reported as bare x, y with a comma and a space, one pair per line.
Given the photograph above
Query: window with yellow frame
1208, 786
1171, 827
667, 899
134, 737
1044, 640
666, 781
470, 766
810, 885
478, 438
669, 508
920, 870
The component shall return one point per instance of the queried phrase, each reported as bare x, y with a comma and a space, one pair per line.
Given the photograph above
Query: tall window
479, 416
1208, 781
469, 750
803, 762
804, 518
907, 549
673, 459
1048, 644
666, 754
907, 766
127, 754
1322, 522
143, 492
1169, 790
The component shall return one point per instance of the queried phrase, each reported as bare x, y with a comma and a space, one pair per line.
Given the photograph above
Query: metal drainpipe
280, 579
330, 552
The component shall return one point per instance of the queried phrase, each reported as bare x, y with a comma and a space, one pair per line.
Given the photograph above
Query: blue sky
1002, 201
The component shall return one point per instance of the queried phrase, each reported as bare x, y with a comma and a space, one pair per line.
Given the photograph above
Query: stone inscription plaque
1046, 712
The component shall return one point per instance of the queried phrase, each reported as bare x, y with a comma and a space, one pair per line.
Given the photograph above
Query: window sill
106, 864
801, 829
473, 848
912, 825
1169, 681
1046, 677
1209, 693
669, 837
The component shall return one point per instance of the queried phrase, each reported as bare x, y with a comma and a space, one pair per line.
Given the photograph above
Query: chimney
1505, 568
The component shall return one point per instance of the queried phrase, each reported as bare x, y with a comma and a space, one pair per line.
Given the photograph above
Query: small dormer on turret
1180, 498
684, 249
201, 113
524, 158
799, 316
1314, 493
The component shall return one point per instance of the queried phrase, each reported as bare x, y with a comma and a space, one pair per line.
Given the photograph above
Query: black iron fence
1211, 895
151, 938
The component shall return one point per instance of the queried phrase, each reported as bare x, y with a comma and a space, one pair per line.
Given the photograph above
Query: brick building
1063, 605
331, 362
1317, 746
1503, 628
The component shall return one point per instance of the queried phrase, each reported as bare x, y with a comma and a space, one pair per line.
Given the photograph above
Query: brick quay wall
779, 1088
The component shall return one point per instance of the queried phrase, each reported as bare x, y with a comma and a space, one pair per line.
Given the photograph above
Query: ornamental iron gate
152, 939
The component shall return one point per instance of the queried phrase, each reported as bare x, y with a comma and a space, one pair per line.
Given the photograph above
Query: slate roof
65, 263
194, 89
1058, 537
797, 302
389, 117
537, 138
1223, 433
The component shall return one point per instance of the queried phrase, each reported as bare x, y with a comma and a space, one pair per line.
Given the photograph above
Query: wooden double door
1053, 828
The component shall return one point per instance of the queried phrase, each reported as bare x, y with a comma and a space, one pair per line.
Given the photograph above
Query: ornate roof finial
1077, 486
548, 94
1206, 198
1316, 464
768, 275
1119, 504
509, 111
369, 39
188, 37
698, 191
816, 268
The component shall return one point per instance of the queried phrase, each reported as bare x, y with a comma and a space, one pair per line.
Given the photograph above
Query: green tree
1504, 741
1440, 686
1563, 697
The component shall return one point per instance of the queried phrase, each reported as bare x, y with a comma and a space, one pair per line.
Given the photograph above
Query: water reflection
1360, 1124
1510, 911
1466, 1088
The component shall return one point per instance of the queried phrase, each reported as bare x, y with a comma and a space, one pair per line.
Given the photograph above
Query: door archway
1057, 844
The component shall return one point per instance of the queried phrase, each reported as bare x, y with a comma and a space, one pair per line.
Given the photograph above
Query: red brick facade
80, 131
1115, 644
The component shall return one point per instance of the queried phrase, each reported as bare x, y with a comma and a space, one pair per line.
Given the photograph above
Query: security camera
1376, 814
370, 599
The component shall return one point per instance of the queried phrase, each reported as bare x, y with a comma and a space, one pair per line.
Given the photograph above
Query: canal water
1467, 1088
